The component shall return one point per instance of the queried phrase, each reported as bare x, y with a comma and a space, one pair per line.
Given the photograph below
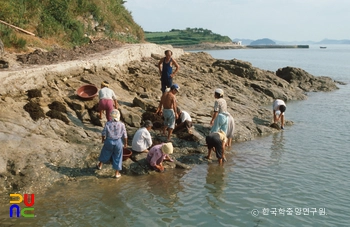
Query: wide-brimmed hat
167, 148
219, 91
115, 115
222, 135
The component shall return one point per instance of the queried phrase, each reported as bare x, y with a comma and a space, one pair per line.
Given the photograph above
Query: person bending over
184, 120
107, 100
279, 108
216, 141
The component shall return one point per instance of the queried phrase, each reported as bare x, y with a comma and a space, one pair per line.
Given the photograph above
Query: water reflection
164, 185
215, 183
277, 147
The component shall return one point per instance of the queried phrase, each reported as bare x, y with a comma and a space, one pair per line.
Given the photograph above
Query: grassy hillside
189, 36
66, 23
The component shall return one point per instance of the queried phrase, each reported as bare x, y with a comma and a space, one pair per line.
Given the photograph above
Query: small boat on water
322, 47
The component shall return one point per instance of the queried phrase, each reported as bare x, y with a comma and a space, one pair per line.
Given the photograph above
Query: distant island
186, 37
204, 39
279, 42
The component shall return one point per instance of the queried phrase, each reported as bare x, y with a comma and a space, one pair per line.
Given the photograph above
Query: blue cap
176, 87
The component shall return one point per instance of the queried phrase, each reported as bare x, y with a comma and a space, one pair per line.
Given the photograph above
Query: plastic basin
126, 153
87, 91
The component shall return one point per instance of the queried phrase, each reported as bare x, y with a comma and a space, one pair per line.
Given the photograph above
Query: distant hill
189, 36
332, 41
279, 42
264, 41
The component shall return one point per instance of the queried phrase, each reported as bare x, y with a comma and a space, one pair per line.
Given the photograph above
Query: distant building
239, 43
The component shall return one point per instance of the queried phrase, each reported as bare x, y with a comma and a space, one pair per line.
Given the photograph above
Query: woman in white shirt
142, 139
108, 100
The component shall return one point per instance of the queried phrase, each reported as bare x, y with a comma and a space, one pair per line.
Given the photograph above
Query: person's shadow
72, 171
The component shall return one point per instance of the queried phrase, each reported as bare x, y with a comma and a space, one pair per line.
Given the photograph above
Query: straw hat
219, 91
115, 115
222, 135
167, 148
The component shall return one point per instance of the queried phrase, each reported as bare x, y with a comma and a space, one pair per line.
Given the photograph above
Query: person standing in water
220, 116
165, 66
216, 142
278, 108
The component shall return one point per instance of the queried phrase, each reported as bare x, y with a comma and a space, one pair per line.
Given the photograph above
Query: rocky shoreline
37, 153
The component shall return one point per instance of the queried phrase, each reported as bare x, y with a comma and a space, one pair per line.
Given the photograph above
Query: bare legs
117, 174
170, 132
276, 118
99, 166
229, 142
282, 121
209, 153
220, 159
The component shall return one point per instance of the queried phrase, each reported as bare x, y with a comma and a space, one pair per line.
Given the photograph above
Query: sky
280, 20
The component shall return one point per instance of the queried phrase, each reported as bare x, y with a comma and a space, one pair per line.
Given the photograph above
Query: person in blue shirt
112, 135
165, 66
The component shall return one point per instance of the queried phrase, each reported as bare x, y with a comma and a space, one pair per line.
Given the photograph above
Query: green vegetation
10, 39
66, 22
190, 36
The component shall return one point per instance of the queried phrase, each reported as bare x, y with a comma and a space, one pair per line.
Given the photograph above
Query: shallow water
296, 172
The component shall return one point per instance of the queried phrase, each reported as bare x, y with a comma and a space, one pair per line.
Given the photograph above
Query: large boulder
304, 80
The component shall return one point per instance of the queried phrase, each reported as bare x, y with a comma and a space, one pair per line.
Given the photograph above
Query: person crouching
112, 135
157, 154
142, 139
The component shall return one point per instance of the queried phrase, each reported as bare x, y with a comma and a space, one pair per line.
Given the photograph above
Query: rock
3, 64
145, 104
75, 104
275, 126
305, 81
132, 116
181, 165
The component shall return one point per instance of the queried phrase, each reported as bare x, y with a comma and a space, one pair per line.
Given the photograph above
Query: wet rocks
305, 81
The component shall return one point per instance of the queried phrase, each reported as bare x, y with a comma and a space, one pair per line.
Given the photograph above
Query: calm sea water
297, 177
